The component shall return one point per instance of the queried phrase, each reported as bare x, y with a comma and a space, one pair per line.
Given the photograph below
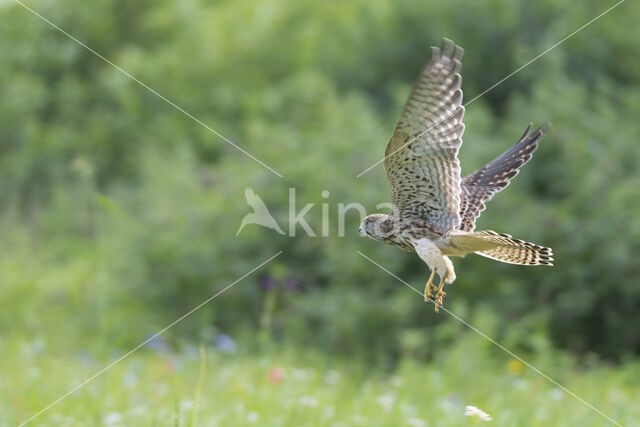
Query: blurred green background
119, 213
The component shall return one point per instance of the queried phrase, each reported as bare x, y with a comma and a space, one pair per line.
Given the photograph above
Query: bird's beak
361, 230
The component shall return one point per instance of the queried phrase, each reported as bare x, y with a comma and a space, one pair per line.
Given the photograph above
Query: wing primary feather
480, 186
426, 141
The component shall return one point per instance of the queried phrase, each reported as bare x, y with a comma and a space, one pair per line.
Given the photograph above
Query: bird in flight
433, 209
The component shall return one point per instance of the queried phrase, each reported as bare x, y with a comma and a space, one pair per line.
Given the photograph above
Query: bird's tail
503, 248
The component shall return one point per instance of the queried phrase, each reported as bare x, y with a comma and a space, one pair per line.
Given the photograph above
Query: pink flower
275, 374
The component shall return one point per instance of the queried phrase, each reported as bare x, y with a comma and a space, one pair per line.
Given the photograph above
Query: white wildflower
328, 412
112, 419
130, 379
332, 377
408, 410
520, 384
34, 373
416, 422
308, 401
396, 381
360, 420
186, 404
556, 393
252, 417
37, 346
302, 374
386, 401
472, 411
138, 411
162, 390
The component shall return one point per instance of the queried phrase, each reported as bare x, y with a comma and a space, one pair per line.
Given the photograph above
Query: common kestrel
434, 209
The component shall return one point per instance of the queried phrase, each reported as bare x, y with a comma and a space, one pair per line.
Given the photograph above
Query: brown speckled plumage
434, 209
422, 156
480, 186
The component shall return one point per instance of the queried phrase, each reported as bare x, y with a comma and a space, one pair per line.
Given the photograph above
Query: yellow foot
428, 296
441, 294
439, 300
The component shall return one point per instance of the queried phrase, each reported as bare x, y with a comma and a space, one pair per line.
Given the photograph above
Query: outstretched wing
483, 184
421, 158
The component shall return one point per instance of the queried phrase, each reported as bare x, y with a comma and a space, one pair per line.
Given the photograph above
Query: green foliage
119, 213
307, 389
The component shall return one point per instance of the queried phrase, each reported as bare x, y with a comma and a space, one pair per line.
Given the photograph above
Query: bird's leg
441, 294
428, 296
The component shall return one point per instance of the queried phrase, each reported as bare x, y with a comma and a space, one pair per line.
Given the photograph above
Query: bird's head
376, 226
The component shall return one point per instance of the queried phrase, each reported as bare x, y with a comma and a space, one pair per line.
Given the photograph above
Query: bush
121, 212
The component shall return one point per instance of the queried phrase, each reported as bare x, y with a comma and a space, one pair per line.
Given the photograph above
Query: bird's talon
439, 300
428, 295
441, 294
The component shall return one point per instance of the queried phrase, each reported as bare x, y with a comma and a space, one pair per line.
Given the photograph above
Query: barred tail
503, 248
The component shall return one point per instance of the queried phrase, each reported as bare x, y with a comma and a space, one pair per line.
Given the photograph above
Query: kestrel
434, 209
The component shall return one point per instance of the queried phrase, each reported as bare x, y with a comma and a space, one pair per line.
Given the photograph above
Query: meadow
120, 214
226, 385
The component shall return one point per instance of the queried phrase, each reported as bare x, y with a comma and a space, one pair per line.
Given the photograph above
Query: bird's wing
480, 186
421, 158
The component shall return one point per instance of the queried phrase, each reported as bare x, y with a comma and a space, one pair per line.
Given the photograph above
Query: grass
69, 309
284, 386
